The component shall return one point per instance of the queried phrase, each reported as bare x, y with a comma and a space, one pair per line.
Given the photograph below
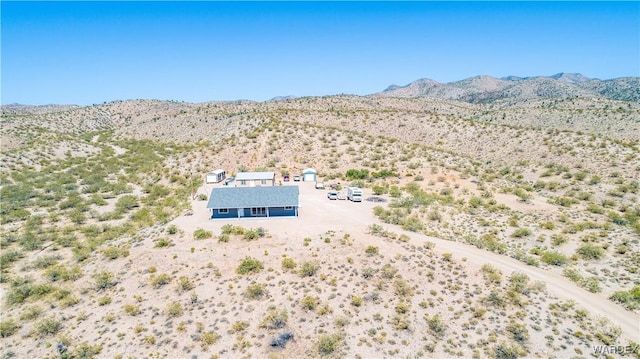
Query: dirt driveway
318, 214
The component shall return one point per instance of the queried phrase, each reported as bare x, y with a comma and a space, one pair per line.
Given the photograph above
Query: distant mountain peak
486, 88
570, 77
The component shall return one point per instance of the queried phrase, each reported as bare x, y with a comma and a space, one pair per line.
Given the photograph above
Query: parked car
296, 178
286, 178
319, 185
332, 195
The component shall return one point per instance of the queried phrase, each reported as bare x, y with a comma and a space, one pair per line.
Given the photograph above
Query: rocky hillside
487, 89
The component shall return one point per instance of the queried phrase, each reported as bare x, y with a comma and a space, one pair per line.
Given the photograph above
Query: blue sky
90, 52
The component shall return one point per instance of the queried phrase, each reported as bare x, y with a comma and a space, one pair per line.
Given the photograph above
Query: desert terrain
493, 225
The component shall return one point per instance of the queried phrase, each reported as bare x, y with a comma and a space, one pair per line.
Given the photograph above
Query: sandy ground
318, 214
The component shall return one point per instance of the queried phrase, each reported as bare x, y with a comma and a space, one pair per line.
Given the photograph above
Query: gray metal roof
247, 197
250, 176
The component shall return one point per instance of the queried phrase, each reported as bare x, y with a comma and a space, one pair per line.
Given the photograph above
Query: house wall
233, 213
281, 212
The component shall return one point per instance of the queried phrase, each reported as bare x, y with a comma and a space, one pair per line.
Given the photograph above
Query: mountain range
487, 89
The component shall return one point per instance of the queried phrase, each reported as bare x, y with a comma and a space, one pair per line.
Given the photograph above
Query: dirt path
557, 285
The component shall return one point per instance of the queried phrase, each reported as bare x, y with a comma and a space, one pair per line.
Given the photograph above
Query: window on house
243, 182
223, 210
263, 181
260, 211
288, 208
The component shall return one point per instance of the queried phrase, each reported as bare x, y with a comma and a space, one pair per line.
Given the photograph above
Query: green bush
8, 328
255, 291
328, 344
309, 268
104, 280
249, 265
48, 326
201, 233
274, 319
372, 251
309, 302
172, 229
521, 232
159, 280
589, 251
554, 258
174, 309
288, 263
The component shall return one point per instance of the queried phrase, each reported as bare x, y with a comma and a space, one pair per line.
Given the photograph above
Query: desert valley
500, 219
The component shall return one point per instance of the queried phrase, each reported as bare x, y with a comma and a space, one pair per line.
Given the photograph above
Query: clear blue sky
90, 52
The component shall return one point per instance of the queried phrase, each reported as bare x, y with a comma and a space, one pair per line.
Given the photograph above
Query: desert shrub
172, 229
288, 263
368, 272
227, 229
249, 265
201, 233
159, 280
8, 328
223, 238
488, 241
354, 174
104, 300
115, 252
48, 326
436, 326
402, 288
372, 251
255, 291
630, 298
163, 242
239, 326
202, 197
274, 319
174, 309
208, 338
590, 251
8, 257
491, 274
518, 332
554, 258
132, 309
309, 268
309, 302
30, 313
518, 282
44, 262
403, 308
508, 351
126, 203
356, 300
328, 344
104, 280
184, 283
389, 271
521, 232
83, 350
251, 235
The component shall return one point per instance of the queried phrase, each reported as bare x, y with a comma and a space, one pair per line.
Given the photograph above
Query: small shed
309, 175
252, 179
215, 176
239, 202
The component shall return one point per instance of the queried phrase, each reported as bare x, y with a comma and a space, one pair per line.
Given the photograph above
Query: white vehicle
354, 194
